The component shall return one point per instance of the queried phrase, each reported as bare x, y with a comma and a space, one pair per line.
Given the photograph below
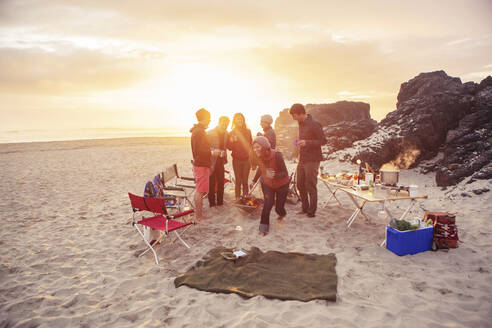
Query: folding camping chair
161, 220
293, 194
181, 181
178, 188
228, 178
171, 173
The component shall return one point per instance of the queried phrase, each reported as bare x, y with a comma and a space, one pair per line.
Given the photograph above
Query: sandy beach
68, 249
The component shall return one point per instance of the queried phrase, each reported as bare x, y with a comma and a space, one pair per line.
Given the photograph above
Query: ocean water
15, 136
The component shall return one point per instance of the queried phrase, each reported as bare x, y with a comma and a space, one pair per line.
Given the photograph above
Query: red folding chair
228, 178
161, 220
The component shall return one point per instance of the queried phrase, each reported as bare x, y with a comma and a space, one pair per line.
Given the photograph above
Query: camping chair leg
148, 249
187, 200
148, 245
143, 253
294, 186
293, 190
184, 230
180, 239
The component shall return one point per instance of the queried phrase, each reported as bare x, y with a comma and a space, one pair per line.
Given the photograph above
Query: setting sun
152, 65
223, 92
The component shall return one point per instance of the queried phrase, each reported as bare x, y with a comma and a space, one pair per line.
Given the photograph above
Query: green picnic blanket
286, 276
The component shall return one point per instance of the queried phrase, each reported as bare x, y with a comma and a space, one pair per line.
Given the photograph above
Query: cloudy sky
89, 64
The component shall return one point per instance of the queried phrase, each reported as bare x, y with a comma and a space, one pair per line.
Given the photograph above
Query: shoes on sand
309, 215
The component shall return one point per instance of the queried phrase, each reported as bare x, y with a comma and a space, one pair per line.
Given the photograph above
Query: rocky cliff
435, 113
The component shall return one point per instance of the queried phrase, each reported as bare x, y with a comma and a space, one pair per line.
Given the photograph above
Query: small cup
413, 190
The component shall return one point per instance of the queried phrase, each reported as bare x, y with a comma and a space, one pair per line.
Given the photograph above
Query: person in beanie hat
263, 141
268, 132
274, 179
200, 147
309, 142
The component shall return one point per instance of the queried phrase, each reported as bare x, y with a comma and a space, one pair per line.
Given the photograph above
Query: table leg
357, 211
359, 206
408, 209
332, 194
352, 217
389, 213
401, 217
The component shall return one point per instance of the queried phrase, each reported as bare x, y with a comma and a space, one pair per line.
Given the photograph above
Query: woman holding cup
274, 180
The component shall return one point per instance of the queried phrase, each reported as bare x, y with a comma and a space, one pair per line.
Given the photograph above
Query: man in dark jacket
200, 147
309, 142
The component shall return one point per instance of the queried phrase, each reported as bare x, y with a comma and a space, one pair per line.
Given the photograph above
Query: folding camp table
360, 197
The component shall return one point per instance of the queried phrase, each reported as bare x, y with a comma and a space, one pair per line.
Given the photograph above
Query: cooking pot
389, 177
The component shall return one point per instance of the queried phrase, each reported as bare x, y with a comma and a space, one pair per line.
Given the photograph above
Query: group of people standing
210, 155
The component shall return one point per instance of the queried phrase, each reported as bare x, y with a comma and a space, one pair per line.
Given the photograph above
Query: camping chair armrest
187, 178
178, 215
173, 188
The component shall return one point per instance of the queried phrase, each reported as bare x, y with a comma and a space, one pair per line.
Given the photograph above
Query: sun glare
223, 92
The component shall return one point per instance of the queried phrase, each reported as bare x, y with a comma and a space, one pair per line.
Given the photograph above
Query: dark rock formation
480, 191
434, 112
343, 123
468, 151
429, 106
347, 111
343, 134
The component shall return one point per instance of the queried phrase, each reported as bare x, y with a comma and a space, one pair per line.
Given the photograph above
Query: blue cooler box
409, 242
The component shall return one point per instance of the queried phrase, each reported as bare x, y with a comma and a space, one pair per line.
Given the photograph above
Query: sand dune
68, 250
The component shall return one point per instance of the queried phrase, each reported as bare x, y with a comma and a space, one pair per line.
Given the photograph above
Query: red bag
445, 229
